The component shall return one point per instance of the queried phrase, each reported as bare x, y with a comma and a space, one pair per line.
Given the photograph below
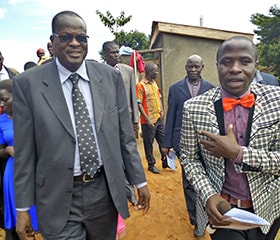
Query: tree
113, 23
133, 39
268, 34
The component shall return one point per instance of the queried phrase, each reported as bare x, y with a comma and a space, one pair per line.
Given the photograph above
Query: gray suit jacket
45, 142
260, 158
130, 87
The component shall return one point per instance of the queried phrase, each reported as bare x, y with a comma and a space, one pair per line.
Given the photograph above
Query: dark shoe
164, 164
153, 169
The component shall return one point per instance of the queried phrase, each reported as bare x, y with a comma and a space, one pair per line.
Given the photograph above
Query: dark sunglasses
69, 37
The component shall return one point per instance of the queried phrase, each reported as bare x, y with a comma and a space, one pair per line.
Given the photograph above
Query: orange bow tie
246, 101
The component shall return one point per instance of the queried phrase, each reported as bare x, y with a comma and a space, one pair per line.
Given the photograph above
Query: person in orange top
152, 115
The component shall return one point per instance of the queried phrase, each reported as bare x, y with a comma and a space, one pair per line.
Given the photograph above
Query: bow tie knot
246, 101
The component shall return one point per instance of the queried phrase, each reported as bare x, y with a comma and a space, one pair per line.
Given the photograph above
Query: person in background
265, 78
7, 151
50, 57
50, 49
152, 115
78, 196
6, 72
192, 85
41, 55
230, 143
111, 56
29, 64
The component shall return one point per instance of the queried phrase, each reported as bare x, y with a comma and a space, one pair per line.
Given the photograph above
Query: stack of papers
242, 220
171, 159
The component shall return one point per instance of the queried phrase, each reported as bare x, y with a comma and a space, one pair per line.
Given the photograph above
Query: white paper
243, 220
171, 159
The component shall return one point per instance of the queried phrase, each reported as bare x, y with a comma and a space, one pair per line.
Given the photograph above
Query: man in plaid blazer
230, 143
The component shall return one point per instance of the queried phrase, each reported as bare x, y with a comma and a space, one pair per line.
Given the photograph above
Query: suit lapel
53, 94
184, 89
202, 87
249, 125
258, 111
215, 112
98, 94
220, 116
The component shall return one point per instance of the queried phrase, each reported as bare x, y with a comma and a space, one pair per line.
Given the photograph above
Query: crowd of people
69, 128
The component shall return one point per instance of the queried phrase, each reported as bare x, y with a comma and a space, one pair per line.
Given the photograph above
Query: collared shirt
148, 94
258, 77
236, 184
4, 74
84, 87
193, 88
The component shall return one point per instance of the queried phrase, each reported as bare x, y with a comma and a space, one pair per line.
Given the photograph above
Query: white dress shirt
84, 87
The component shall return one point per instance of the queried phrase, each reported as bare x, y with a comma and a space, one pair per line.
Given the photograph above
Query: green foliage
134, 39
268, 34
113, 23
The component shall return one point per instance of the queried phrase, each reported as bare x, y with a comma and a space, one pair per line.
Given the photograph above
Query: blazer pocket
111, 111
39, 180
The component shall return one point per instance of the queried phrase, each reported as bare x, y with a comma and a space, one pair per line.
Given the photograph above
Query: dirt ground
167, 218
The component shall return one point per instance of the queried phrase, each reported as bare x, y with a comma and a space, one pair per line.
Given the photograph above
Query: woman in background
7, 151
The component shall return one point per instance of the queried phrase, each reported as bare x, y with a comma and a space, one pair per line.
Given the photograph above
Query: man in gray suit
112, 57
70, 203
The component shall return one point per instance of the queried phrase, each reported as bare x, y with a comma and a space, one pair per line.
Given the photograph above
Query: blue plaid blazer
261, 158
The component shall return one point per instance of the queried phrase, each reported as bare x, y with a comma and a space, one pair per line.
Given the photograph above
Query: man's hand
221, 146
10, 150
212, 209
150, 123
162, 115
165, 150
144, 199
136, 129
24, 227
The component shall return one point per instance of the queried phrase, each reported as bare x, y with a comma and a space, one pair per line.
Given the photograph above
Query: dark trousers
190, 197
149, 134
11, 234
252, 234
273, 230
93, 215
231, 234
